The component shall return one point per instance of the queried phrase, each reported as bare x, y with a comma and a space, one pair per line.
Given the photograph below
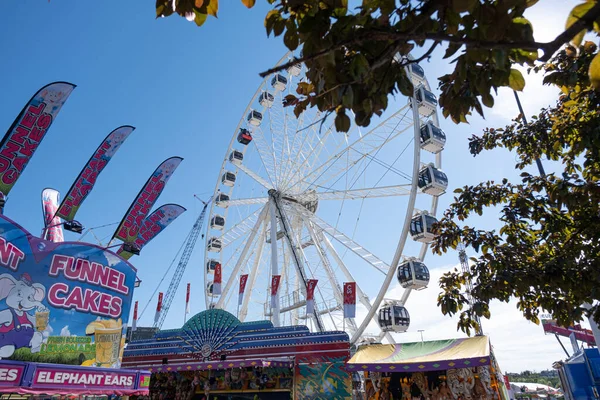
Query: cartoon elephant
17, 327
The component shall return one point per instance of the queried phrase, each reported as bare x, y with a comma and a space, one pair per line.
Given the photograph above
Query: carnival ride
282, 198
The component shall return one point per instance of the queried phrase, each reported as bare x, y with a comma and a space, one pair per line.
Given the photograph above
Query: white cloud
65, 331
518, 344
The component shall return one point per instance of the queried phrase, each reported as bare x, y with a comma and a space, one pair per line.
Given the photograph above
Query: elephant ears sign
61, 303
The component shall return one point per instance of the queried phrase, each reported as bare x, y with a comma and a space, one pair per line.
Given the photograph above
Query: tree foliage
356, 58
547, 252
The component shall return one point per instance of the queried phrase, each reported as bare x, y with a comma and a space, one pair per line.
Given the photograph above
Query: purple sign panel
48, 377
11, 374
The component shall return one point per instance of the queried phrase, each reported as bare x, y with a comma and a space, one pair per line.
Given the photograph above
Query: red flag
311, 284
349, 299
187, 299
243, 280
158, 307
135, 317
218, 278
275, 279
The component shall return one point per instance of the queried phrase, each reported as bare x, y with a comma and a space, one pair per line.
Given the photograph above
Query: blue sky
185, 88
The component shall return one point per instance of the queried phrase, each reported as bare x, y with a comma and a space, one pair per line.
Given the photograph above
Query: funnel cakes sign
61, 303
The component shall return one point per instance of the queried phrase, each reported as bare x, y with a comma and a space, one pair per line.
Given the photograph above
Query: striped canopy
434, 355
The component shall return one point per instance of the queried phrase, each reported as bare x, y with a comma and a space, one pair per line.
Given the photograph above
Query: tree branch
549, 48
581, 24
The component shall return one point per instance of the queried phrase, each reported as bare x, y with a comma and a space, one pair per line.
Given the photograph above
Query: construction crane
466, 269
190, 243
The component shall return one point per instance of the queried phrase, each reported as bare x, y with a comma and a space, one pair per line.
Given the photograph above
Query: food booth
437, 370
216, 356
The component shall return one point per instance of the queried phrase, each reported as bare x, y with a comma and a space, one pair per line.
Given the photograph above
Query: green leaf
342, 122
576, 13
291, 40
200, 18
516, 80
487, 100
249, 3
212, 7
594, 72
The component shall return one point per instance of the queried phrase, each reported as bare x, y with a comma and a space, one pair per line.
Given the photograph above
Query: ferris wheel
298, 199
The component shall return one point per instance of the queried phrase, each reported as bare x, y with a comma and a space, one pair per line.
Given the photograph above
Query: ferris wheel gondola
278, 192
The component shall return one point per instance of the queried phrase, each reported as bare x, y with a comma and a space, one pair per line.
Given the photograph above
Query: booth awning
422, 356
216, 365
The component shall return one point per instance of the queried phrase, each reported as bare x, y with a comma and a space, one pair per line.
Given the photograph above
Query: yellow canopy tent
434, 355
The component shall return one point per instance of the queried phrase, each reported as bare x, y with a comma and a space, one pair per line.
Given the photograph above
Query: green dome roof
211, 320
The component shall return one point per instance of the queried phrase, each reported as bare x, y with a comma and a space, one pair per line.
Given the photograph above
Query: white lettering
8, 374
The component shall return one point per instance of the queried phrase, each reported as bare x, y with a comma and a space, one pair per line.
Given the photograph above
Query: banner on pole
134, 217
158, 307
349, 299
218, 279
154, 224
311, 284
52, 224
275, 279
27, 131
243, 281
135, 317
187, 299
86, 179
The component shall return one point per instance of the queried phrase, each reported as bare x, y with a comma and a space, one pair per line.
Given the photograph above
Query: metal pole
421, 332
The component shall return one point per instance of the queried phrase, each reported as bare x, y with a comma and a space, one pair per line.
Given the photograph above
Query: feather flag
349, 299
89, 174
52, 223
135, 317
243, 281
311, 284
158, 307
187, 299
218, 279
27, 131
140, 208
275, 279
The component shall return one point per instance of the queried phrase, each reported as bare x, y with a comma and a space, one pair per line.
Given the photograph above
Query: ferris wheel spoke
384, 191
254, 176
351, 155
265, 154
350, 244
243, 202
240, 262
362, 296
239, 229
306, 159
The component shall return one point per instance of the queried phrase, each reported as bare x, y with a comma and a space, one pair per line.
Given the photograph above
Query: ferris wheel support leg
274, 266
254, 272
294, 250
240, 262
362, 297
407, 220
337, 292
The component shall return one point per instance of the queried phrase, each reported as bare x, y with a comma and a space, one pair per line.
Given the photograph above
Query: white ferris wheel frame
257, 223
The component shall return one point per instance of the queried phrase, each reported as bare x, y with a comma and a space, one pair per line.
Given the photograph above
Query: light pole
421, 332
